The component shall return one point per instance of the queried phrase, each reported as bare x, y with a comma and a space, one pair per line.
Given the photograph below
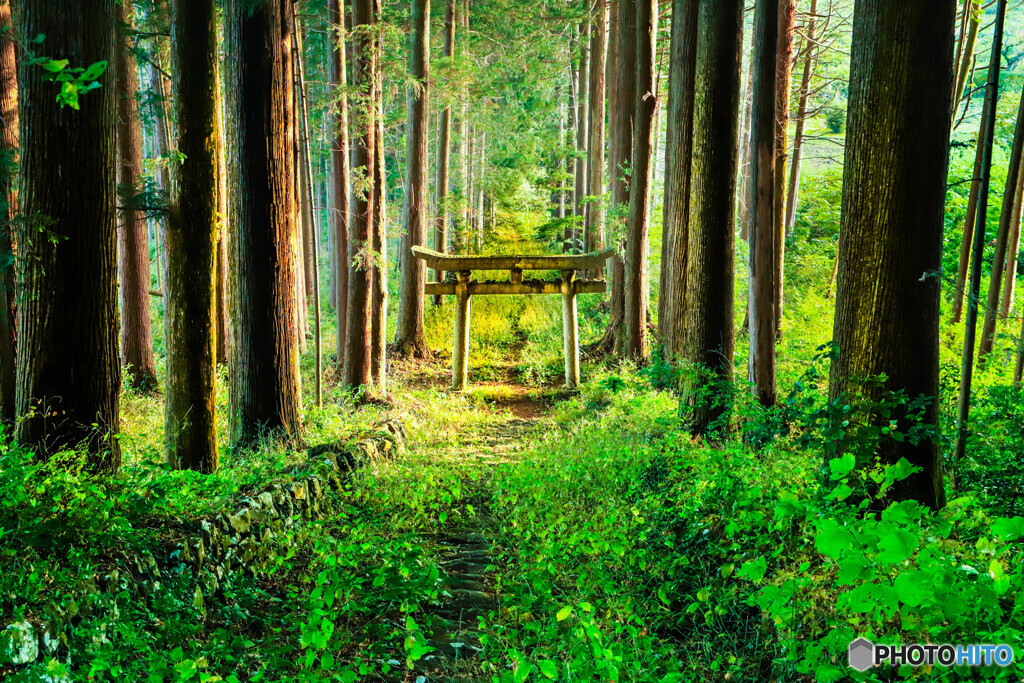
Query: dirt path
470, 565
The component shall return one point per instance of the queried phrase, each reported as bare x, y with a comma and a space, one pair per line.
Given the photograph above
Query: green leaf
912, 588
55, 65
841, 466
753, 570
548, 669
522, 672
564, 613
1008, 529
94, 71
897, 546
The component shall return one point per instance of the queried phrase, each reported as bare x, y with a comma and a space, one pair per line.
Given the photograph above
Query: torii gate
464, 288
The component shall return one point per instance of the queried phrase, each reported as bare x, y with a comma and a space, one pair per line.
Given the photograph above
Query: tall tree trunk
708, 334
1013, 247
358, 351
264, 385
306, 192
191, 287
762, 233
9, 197
995, 284
222, 220
887, 314
971, 217
69, 380
444, 145
379, 307
410, 339
678, 147
339, 180
810, 50
743, 194
784, 65
133, 252
620, 154
978, 244
570, 162
595, 238
558, 197
582, 130
481, 161
638, 221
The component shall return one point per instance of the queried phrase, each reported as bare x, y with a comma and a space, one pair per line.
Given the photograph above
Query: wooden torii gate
464, 288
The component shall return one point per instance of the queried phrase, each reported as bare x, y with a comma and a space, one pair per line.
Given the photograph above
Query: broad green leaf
564, 613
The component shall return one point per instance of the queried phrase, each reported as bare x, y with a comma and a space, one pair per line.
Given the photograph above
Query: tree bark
621, 150
133, 236
762, 233
9, 197
340, 171
264, 385
595, 238
810, 48
999, 258
191, 287
570, 162
708, 334
69, 380
890, 249
410, 340
784, 65
223, 238
358, 351
678, 148
638, 221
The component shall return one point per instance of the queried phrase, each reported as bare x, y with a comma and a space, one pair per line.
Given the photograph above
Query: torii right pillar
570, 330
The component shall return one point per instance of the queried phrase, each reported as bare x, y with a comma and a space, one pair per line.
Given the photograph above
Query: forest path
471, 566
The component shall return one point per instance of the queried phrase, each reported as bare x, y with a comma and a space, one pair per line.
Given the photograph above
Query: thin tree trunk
784, 65
358, 351
810, 48
191, 416
762, 233
133, 252
971, 217
444, 144
9, 197
595, 238
638, 221
620, 151
264, 385
1013, 247
69, 380
339, 181
480, 192
999, 258
312, 239
582, 138
708, 334
973, 8
678, 148
570, 162
410, 339
743, 195
379, 307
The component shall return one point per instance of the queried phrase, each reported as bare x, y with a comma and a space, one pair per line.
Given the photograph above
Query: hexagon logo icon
861, 654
